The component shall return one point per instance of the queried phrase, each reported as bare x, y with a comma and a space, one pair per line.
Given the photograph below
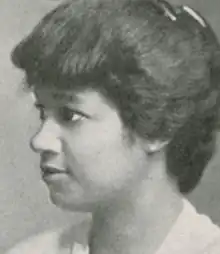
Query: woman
128, 98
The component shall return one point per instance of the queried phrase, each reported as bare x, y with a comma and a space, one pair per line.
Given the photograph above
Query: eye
41, 110
42, 114
67, 114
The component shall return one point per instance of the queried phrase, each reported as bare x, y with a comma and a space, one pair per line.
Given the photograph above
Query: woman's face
87, 157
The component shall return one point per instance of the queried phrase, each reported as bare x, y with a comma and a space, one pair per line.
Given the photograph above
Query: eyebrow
39, 105
65, 97
68, 97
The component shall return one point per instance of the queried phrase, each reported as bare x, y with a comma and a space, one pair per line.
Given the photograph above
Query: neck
139, 221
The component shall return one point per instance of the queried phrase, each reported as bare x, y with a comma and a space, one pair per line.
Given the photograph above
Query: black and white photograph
110, 126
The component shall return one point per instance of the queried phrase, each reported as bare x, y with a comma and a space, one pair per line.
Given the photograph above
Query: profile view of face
86, 156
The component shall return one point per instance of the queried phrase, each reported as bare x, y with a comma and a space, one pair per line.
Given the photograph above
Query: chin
60, 202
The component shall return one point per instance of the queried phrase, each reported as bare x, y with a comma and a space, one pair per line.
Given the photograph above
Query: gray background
24, 204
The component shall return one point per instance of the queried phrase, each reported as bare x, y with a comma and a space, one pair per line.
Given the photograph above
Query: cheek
99, 158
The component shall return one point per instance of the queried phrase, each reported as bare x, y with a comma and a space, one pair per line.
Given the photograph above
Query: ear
155, 146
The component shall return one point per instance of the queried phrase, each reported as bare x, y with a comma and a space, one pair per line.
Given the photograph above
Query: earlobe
33, 96
151, 147
156, 146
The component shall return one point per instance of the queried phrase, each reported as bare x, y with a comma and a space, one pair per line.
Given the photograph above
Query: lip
49, 170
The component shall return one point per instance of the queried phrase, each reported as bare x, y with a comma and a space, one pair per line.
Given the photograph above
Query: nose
47, 139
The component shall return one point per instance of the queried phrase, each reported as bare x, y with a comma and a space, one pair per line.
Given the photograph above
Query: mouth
47, 171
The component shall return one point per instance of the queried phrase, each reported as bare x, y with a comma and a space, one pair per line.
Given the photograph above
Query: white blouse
193, 233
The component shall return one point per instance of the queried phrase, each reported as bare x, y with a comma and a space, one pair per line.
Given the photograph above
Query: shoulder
192, 233
204, 235
39, 244
213, 247
57, 241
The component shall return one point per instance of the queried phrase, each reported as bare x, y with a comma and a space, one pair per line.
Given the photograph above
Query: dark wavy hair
158, 64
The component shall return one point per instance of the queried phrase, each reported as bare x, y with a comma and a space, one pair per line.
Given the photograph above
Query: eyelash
67, 115
41, 114
64, 114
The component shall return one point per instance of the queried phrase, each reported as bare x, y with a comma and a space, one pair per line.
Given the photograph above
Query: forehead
52, 95
89, 99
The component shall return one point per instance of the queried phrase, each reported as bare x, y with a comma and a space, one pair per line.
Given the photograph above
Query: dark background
24, 205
